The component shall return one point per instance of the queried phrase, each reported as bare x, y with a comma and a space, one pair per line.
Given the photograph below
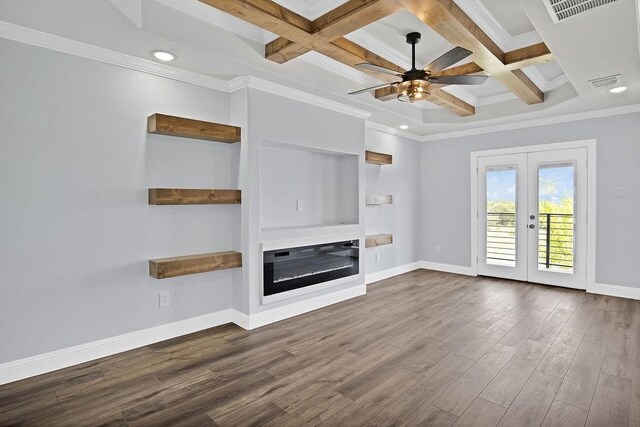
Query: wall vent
563, 9
605, 81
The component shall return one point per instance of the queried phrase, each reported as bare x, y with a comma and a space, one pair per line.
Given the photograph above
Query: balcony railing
555, 240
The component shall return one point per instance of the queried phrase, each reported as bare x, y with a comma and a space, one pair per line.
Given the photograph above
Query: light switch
300, 206
622, 192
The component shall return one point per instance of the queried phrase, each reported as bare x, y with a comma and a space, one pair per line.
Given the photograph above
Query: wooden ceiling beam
386, 93
299, 35
296, 34
268, 15
451, 103
449, 20
333, 25
528, 56
351, 16
437, 96
514, 60
462, 70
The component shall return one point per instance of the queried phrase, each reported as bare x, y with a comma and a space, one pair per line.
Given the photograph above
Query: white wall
274, 119
402, 180
76, 230
322, 182
446, 191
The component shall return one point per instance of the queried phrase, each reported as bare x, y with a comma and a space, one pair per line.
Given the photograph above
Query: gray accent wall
446, 207
402, 180
76, 232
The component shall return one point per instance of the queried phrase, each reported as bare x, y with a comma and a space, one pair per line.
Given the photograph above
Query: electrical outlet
622, 192
300, 206
164, 299
438, 251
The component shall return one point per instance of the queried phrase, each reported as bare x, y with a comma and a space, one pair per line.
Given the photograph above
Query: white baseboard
448, 268
615, 291
390, 272
47, 362
280, 313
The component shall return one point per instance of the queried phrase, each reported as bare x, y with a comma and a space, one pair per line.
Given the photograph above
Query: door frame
590, 145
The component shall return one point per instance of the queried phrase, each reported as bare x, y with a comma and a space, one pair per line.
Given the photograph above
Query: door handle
532, 226
532, 217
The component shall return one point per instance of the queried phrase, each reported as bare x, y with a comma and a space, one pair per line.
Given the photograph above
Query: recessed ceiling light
404, 127
163, 56
618, 89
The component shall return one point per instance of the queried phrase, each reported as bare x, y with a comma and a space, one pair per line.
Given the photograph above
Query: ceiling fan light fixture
413, 90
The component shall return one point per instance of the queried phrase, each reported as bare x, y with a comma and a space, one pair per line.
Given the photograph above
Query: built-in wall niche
306, 187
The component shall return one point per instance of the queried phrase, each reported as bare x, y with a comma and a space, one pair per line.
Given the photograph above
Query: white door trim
590, 144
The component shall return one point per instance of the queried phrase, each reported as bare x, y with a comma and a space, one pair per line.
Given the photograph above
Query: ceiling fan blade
372, 88
454, 56
458, 80
377, 69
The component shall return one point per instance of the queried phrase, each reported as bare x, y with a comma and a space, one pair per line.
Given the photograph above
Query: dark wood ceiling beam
449, 20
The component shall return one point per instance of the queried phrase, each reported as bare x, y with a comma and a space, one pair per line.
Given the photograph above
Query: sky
555, 184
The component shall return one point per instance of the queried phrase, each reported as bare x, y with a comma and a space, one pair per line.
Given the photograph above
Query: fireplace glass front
294, 268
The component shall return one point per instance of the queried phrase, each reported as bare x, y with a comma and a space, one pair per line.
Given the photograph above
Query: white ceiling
213, 43
510, 15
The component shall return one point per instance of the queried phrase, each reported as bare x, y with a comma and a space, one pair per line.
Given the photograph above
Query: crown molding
72, 47
60, 44
393, 131
586, 115
243, 82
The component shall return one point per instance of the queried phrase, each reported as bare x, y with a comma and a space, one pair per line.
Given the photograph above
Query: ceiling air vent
563, 9
605, 81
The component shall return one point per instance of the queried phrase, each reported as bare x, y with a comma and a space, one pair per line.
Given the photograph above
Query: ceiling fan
415, 83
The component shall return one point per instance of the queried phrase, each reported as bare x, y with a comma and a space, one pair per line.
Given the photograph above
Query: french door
532, 217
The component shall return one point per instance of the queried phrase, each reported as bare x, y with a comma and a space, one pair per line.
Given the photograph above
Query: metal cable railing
556, 232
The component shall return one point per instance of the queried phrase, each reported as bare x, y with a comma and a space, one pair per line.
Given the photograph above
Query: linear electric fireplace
295, 268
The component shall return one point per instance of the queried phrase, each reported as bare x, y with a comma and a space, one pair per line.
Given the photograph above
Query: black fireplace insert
294, 268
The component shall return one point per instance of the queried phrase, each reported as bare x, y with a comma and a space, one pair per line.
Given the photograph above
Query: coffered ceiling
600, 42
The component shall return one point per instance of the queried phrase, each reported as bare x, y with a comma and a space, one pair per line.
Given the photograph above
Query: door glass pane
501, 216
556, 192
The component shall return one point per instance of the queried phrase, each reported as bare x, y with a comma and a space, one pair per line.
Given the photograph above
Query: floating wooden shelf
163, 124
378, 240
377, 158
184, 196
378, 200
191, 264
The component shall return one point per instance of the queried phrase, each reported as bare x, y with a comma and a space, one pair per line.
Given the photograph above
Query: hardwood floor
423, 348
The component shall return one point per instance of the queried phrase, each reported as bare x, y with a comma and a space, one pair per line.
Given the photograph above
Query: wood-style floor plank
562, 415
533, 402
580, 381
422, 348
481, 413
